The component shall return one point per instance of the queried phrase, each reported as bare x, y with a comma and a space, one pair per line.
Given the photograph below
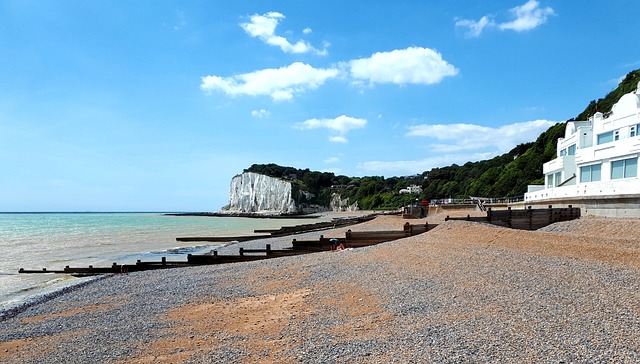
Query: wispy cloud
465, 137
525, 17
339, 126
264, 26
413, 65
279, 83
475, 28
181, 20
261, 114
460, 143
407, 167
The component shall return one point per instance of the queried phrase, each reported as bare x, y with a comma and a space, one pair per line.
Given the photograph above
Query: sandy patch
256, 324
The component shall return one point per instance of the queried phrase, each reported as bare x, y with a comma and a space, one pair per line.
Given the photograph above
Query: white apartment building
597, 157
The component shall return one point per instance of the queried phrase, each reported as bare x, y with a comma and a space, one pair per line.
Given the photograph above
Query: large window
625, 168
550, 181
563, 152
633, 130
572, 149
590, 173
605, 137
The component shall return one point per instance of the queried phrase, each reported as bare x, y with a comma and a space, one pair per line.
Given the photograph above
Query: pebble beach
464, 292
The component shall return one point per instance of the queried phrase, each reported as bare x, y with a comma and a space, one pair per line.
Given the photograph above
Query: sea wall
256, 193
624, 206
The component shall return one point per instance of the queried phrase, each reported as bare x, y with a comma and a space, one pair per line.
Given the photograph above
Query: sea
54, 240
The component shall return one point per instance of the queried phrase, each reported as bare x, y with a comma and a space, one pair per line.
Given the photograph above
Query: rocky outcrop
256, 193
338, 204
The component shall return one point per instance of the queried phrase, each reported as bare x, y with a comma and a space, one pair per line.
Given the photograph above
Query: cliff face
337, 204
257, 193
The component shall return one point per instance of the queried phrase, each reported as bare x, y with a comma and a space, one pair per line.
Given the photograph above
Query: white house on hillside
411, 189
597, 157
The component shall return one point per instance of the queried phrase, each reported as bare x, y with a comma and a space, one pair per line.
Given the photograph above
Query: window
563, 152
572, 150
590, 173
605, 137
616, 135
633, 131
624, 169
550, 181
558, 179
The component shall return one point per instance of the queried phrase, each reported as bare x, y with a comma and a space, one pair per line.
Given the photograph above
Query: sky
156, 105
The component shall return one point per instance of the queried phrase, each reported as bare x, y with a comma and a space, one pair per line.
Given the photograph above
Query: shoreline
457, 293
225, 248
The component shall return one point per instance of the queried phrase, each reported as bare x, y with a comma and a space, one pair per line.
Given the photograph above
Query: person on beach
334, 243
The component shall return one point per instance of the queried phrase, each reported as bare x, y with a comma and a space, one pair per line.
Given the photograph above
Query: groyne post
509, 219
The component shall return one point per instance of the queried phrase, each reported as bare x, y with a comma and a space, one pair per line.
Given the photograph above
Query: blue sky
156, 105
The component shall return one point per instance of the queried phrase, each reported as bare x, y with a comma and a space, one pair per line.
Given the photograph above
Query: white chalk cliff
338, 204
256, 193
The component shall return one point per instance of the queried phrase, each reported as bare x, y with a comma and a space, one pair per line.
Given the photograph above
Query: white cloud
460, 143
340, 126
464, 137
264, 26
414, 65
528, 16
475, 27
332, 160
407, 167
338, 139
261, 114
279, 83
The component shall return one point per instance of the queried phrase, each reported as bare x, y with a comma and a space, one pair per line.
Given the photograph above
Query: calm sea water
54, 240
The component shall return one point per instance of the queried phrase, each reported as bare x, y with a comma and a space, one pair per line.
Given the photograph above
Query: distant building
411, 189
597, 157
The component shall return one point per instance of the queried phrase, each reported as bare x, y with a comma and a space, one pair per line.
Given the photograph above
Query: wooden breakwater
525, 219
284, 231
351, 240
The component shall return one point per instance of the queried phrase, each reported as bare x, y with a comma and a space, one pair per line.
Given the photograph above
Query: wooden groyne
283, 231
525, 219
351, 240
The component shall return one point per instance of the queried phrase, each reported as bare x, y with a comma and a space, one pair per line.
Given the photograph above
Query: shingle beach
463, 292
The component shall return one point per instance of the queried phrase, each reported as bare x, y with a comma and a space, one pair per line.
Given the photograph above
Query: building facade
596, 158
